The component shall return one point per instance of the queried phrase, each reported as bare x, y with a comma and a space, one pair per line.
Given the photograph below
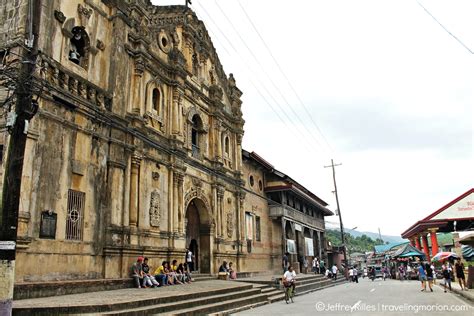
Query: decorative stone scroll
155, 214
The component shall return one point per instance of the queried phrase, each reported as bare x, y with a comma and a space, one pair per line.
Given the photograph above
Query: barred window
75, 215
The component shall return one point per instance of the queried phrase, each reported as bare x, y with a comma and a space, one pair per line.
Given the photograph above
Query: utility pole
338, 209
25, 109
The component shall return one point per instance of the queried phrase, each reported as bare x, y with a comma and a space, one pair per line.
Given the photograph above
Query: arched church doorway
198, 235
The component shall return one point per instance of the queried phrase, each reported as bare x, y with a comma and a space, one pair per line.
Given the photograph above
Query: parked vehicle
378, 271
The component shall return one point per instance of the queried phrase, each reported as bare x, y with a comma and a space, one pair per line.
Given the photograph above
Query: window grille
75, 215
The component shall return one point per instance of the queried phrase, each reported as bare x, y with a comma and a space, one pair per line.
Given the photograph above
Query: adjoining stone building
136, 149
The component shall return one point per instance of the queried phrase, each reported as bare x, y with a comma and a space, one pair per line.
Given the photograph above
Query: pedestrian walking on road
334, 271
322, 267
459, 267
434, 273
422, 276
446, 277
429, 275
189, 259
315, 265
355, 275
351, 274
372, 273
401, 273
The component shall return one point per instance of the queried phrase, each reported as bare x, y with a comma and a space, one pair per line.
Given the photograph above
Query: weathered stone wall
145, 125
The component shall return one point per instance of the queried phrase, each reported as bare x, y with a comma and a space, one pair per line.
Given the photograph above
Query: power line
284, 75
256, 76
444, 28
267, 75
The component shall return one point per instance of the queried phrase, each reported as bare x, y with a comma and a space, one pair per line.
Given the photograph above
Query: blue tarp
384, 248
467, 252
408, 251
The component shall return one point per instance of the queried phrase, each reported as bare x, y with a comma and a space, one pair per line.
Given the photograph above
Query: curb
459, 292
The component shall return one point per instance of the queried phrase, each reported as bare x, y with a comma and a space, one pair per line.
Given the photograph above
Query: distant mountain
374, 236
385, 238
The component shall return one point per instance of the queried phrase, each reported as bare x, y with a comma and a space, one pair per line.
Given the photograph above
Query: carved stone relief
155, 214
230, 224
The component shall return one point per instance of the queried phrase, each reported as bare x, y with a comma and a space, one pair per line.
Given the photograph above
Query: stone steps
241, 304
275, 295
168, 302
26, 290
204, 304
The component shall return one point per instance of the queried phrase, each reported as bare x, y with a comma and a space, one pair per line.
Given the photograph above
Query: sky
378, 86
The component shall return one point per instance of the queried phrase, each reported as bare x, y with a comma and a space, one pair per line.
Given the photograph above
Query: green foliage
361, 243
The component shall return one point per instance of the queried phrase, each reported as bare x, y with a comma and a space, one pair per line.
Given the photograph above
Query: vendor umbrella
443, 255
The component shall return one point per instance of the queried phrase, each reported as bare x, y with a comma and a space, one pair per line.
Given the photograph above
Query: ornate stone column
220, 202
134, 189
178, 202
137, 84
176, 112
219, 144
215, 212
237, 211
242, 218
319, 245
170, 201
238, 154
177, 178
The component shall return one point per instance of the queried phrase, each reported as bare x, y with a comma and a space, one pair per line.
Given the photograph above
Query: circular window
251, 181
260, 185
164, 42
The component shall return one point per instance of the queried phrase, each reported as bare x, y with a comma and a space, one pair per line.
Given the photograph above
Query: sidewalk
457, 289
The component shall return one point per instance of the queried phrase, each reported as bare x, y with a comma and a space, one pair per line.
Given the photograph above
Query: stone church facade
136, 148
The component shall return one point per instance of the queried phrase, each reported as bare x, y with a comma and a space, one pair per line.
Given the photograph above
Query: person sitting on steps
136, 272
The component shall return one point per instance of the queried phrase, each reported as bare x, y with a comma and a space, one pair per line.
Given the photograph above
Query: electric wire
267, 75
313, 121
245, 63
444, 28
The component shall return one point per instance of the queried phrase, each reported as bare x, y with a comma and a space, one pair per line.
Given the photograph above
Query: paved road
377, 297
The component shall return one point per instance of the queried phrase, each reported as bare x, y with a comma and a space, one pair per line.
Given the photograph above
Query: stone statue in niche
155, 209
230, 224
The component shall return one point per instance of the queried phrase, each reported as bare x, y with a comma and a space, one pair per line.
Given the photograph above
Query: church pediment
174, 38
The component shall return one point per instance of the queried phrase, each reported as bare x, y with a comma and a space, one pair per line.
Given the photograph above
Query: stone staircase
203, 297
274, 292
206, 296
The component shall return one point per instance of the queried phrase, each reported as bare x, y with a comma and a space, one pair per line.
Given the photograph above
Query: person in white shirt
289, 278
434, 273
351, 274
355, 276
315, 265
334, 271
